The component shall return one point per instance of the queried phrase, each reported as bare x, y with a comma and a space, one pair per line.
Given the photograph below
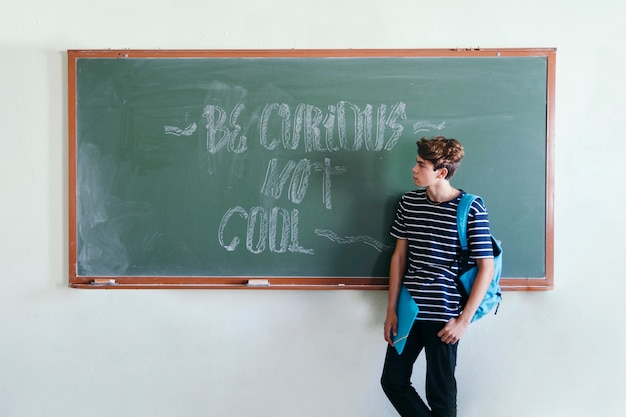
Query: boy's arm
396, 272
455, 328
479, 289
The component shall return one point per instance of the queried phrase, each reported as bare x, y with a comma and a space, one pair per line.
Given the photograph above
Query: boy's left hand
453, 330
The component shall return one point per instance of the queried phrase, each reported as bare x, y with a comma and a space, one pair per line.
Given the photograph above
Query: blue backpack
467, 275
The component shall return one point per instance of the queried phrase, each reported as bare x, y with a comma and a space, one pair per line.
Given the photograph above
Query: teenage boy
425, 261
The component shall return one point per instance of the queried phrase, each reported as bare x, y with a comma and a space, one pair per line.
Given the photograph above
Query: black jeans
440, 380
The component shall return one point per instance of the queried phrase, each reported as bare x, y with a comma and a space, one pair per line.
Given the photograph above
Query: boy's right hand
391, 327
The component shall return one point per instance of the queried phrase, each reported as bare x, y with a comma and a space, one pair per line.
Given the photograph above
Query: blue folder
406, 310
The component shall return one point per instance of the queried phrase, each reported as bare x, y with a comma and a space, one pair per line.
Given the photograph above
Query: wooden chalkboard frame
306, 283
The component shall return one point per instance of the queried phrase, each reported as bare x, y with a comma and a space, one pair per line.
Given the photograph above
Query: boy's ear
443, 172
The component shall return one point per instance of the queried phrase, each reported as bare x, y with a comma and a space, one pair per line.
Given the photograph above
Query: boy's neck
439, 193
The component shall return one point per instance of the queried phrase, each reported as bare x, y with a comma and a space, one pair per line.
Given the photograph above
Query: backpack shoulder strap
462, 214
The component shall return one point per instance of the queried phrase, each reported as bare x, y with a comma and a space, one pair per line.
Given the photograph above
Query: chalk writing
263, 224
342, 126
219, 134
304, 128
176, 131
379, 246
425, 126
275, 183
309, 122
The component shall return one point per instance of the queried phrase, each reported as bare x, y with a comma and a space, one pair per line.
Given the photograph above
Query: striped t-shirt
433, 250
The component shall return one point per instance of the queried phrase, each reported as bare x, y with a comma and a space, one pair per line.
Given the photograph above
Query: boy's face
424, 173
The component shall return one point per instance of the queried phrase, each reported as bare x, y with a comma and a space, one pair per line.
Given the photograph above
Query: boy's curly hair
442, 152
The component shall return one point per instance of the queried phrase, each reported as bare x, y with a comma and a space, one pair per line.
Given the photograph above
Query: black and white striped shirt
433, 250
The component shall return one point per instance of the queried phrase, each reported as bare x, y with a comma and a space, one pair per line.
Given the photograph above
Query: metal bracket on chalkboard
103, 281
258, 283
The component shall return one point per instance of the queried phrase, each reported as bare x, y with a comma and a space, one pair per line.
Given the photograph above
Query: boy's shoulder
418, 193
413, 198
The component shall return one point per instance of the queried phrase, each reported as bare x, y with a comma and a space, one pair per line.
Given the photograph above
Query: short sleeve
478, 231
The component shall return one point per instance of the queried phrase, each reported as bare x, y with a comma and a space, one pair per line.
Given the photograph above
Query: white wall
67, 352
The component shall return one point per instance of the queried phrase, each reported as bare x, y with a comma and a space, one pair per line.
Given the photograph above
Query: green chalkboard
207, 168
